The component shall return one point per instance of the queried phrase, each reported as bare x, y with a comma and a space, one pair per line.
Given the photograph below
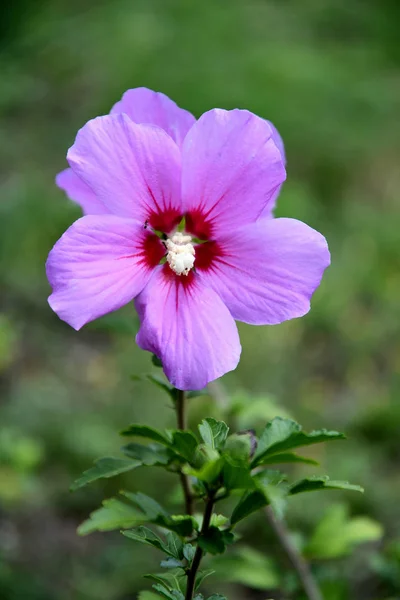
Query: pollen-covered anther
181, 254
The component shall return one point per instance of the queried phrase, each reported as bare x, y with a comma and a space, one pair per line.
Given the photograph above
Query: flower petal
79, 192
231, 169
134, 169
145, 106
188, 327
269, 210
265, 273
98, 265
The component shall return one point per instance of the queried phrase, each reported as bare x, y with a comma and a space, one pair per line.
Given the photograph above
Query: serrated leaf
214, 540
153, 512
104, 468
148, 455
267, 492
169, 594
236, 476
174, 545
146, 536
201, 576
172, 563
214, 433
185, 444
311, 484
286, 457
113, 514
284, 434
189, 552
217, 597
208, 473
147, 432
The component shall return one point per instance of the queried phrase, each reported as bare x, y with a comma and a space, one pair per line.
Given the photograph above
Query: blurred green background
326, 73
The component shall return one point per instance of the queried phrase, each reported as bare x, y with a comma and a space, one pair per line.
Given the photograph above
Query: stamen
181, 254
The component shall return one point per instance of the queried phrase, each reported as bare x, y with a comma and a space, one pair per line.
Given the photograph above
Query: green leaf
284, 434
156, 361
163, 385
337, 534
113, 514
214, 540
217, 597
213, 433
311, 484
238, 447
153, 512
209, 473
146, 536
286, 457
147, 595
174, 545
201, 576
189, 552
249, 503
267, 492
148, 455
172, 563
185, 444
236, 476
105, 468
219, 520
248, 567
147, 432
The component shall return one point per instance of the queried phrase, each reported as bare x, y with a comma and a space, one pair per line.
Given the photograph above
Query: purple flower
221, 174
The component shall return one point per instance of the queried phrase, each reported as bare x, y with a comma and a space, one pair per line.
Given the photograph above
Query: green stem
192, 573
181, 420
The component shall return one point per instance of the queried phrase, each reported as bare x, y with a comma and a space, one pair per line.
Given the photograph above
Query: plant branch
181, 421
300, 565
192, 573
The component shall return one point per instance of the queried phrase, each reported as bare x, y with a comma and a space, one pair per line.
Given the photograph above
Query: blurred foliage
326, 72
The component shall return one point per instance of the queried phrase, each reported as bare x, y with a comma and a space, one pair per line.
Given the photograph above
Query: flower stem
192, 573
300, 565
181, 420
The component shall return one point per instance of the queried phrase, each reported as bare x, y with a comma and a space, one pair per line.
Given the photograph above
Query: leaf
163, 385
148, 455
104, 468
284, 434
147, 595
171, 563
156, 361
267, 492
146, 536
147, 432
214, 540
239, 447
219, 520
248, 567
201, 576
236, 476
209, 472
217, 597
174, 545
113, 514
286, 457
213, 433
311, 484
189, 552
337, 534
185, 444
153, 512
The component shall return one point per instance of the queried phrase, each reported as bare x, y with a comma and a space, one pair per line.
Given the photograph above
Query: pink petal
268, 211
98, 265
265, 273
188, 327
80, 193
231, 169
145, 106
134, 169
